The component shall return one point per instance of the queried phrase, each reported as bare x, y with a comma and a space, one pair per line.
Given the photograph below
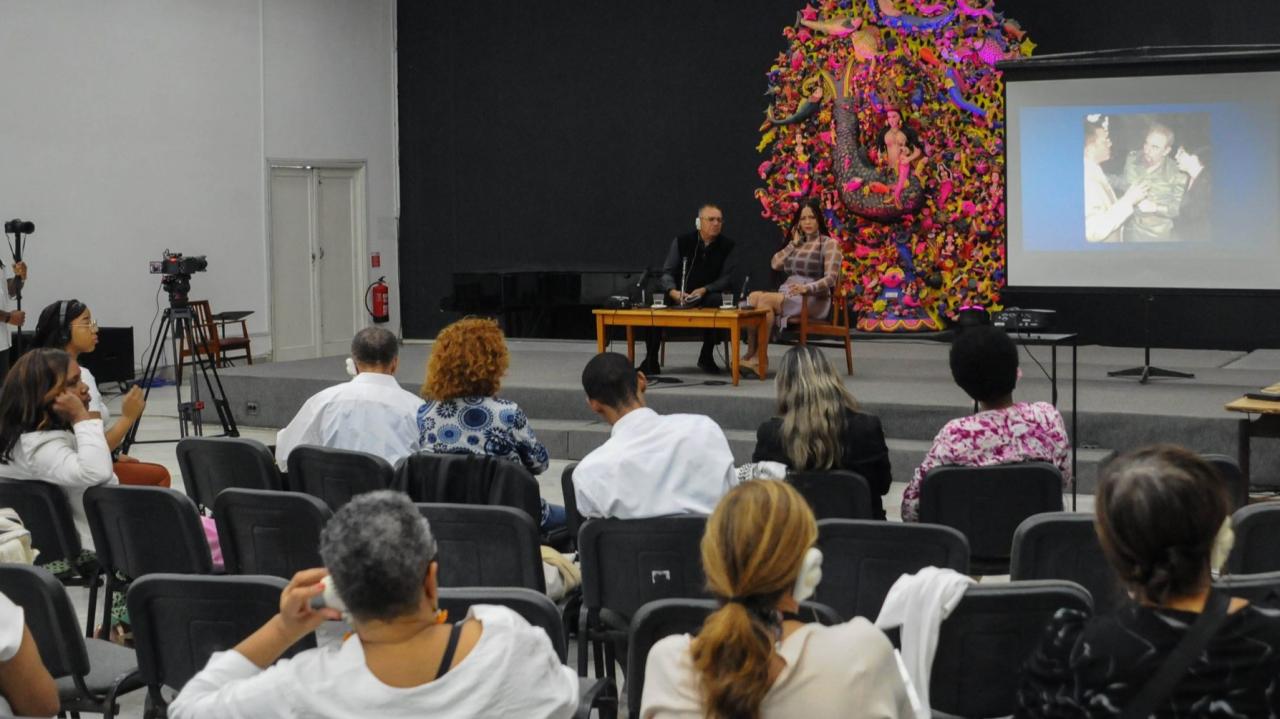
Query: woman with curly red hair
463, 412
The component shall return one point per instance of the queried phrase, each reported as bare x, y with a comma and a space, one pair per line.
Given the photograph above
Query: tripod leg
208, 368
149, 373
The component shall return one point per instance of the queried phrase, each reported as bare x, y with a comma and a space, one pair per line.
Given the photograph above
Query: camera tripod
179, 325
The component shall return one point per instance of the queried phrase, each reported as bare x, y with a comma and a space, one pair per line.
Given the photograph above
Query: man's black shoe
650, 368
708, 365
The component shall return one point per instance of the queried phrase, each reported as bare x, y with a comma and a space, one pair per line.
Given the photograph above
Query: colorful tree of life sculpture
891, 112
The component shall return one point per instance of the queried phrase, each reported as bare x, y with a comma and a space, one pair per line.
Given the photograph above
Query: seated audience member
749, 659
652, 464
820, 427
69, 325
463, 413
1163, 519
371, 413
403, 660
26, 687
984, 362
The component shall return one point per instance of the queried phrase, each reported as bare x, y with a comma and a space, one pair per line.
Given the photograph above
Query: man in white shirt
651, 465
9, 287
1104, 213
371, 413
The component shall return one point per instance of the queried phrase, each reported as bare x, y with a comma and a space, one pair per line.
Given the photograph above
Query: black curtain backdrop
573, 135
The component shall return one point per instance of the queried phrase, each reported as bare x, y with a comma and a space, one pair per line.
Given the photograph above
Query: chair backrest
1232, 477
834, 494
212, 464
180, 620
534, 606
983, 645
1257, 529
862, 558
202, 315
664, 617
628, 562
988, 503
267, 532
46, 513
468, 479
573, 518
1064, 545
49, 615
144, 530
1261, 589
336, 475
485, 546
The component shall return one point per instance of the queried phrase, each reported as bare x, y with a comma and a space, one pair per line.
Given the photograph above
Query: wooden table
733, 320
1267, 424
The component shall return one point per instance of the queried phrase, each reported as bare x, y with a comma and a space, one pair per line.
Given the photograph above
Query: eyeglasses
91, 324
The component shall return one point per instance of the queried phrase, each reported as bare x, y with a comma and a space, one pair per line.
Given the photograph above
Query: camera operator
13, 282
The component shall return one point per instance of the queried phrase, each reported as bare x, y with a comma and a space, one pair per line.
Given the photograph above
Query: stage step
574, 439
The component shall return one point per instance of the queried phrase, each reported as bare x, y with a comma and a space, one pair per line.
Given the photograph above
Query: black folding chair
834, 494
1235, 481
1257, 529
336, 475
267, 532
664, 617
180, 620
46, 513
625, 564
862, 558
983, 645
212, 464
90, 673
144, 530
1261, 589
485, 546
1064, 545
988, 503
541, 612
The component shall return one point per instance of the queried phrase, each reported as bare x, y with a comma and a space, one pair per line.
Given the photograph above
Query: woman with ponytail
1163, 519
750, 660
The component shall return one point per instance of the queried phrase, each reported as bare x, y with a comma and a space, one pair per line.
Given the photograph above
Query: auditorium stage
905, 381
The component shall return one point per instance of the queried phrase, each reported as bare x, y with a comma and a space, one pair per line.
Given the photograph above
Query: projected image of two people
1146, 177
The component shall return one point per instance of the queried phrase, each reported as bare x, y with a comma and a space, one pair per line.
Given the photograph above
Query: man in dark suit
1193, 223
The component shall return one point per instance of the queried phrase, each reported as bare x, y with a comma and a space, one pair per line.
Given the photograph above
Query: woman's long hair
752, 550
811, 401
813, 204
26, 401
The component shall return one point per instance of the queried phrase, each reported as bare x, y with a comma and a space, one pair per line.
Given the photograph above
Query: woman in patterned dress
811, 261
463, 413
984, 362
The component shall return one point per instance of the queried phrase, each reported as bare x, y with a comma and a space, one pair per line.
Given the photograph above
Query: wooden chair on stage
836, 325
214, 344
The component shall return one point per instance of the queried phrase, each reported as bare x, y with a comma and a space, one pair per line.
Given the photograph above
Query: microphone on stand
684, 277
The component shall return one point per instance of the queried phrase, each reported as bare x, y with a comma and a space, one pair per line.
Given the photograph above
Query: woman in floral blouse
463, 414
984, 362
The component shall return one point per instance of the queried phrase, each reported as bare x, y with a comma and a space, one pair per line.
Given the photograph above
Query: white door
317, 250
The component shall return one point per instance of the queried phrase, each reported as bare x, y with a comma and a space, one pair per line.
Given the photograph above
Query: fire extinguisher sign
375, 259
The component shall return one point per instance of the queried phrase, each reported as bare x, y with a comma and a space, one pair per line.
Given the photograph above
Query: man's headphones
697, 223
64, 329
810, 575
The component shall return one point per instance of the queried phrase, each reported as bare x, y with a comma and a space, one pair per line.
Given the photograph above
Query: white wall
137, 125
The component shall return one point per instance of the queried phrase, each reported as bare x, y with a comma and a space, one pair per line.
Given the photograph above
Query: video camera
177, 271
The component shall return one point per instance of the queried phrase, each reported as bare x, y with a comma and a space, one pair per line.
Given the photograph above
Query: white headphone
810, 575
697, 223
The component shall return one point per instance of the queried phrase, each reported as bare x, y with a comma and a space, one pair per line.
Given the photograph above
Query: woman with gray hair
820, 427
403, 659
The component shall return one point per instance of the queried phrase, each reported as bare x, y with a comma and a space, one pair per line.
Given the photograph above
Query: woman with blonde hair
819, 426
463, 413
749, 660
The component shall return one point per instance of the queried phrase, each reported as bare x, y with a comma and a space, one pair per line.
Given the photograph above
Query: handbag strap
1157, 690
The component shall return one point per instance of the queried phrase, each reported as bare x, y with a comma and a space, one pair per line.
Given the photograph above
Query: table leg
600, 333
763, 357
1242, 448
631, 344
1053, 352
1075, 426
735, 343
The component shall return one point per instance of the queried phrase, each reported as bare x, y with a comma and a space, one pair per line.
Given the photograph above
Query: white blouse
843, 672
74, 459
512, 671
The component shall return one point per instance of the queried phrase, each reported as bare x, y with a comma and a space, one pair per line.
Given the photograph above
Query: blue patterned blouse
481, 425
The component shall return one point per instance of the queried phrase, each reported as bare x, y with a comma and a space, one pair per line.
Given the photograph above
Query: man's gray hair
374, 346
377, 549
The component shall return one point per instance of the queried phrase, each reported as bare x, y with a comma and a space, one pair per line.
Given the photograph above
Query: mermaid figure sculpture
868, 191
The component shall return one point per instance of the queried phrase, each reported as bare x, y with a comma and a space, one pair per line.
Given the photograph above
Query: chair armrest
591, 695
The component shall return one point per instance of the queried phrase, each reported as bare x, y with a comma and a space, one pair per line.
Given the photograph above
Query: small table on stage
733, 320
1267, 424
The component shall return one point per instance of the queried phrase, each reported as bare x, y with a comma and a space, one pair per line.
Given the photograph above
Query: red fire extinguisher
380, 308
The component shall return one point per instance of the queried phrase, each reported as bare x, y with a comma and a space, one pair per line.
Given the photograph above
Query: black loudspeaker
110, 361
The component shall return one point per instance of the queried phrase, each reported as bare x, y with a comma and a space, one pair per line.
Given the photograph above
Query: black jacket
711, 266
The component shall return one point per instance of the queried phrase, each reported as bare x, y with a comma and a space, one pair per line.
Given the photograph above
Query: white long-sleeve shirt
73, 459
371, 413
654, 465
512, 671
